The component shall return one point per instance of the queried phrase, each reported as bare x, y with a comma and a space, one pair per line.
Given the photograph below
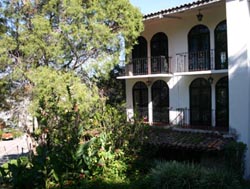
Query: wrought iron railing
202, 119
144, 66
195, 61
140, 66
159, 64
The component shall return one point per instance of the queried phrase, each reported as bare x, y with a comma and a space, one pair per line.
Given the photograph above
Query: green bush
19, 173
219, 179
234, 154
172, 175
175, 175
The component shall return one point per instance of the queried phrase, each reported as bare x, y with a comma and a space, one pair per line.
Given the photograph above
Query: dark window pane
160, 98
200, 102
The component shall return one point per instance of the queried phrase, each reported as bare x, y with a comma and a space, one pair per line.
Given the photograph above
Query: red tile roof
189, 140
179, 8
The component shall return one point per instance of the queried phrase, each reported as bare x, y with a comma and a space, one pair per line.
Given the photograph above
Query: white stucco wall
238, 23
177, 30
237, 14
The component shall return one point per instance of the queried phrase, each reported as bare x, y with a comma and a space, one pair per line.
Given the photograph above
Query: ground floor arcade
200, 100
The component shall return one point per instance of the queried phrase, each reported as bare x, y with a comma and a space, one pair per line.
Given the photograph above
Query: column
150, 106
238, 30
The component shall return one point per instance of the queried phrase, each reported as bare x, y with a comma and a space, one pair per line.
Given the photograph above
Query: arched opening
220, 37
199, 48
160, 99
140, 100
139, 57
159, 53
222, 107
200, 102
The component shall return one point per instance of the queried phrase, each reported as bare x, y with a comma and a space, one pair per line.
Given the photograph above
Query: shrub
219, 179
234, 155
175, 175
172, 175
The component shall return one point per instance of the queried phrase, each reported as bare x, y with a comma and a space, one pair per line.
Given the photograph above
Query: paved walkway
11, 149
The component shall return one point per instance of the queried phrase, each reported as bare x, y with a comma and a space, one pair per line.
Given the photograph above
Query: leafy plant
182, 175
234, 154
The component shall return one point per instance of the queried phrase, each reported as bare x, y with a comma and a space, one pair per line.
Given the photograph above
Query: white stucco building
191, 67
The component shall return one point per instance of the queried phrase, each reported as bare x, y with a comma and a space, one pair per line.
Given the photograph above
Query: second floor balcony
197, 61
201, 61
147, 66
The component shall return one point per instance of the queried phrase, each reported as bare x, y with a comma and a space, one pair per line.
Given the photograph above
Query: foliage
64, 91
20, 173
4, 92
219, 179
113, 88
40, 43
67, 34
234, 155
101, 160
183, 175
61, 111
110, 151
84, 36
79, 136
175, 175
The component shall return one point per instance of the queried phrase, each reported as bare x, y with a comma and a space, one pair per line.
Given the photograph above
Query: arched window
220, 37
139, 57
222, 108
199, 48
200, 102
159, 53
140, 99
160, 98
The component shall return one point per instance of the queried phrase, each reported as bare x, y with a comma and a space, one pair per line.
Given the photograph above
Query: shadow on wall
248, 7
238, 63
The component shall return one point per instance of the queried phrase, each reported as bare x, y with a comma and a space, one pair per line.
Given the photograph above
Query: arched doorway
160, 99
140, 100
159, 53
220, 37
139, 57
200, 102
222, 108
199, 48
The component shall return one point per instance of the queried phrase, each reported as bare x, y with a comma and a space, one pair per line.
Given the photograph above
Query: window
199, 48
222, 108
221, 57
140, 49
200, 102
160, 98
159, 53
140, 99
139, 57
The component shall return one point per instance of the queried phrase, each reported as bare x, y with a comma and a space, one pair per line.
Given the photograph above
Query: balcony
147, 66
204, 119
200, 61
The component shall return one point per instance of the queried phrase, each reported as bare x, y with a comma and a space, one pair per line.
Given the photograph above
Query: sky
150, 6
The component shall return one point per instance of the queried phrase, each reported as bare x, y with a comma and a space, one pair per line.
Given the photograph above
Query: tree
66, 34
51, 48
113, 88
86, 36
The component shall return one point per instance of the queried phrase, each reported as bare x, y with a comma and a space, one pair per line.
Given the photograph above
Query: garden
63, 57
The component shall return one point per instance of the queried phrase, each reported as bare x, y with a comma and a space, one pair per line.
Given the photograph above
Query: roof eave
178, 9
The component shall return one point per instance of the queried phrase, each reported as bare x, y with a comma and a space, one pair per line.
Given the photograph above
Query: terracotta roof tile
188, 140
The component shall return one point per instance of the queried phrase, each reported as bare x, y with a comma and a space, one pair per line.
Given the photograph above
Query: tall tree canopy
66, 33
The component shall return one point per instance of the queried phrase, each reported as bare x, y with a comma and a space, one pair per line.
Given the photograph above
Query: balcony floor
146, 76
205, 72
